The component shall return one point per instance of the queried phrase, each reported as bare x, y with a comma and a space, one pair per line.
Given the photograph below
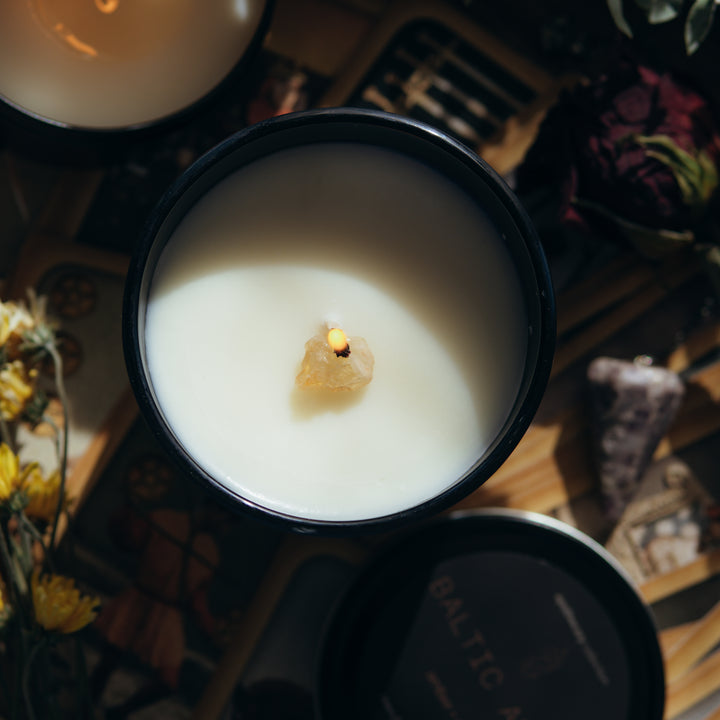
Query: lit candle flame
107, 6
53, 18
338, 342
328, 364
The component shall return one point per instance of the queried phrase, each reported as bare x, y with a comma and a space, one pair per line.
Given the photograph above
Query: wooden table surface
618, 304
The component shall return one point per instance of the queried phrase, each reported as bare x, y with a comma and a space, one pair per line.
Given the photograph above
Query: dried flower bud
633, 146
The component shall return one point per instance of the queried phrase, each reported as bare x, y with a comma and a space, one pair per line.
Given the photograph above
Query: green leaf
710, 175
662, 11
616, 10
651, 242
696, 175
698, 24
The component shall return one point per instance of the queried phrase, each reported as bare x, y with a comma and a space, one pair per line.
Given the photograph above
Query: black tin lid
492, 614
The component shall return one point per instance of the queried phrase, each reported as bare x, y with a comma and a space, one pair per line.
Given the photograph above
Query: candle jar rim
408, 136
57, 141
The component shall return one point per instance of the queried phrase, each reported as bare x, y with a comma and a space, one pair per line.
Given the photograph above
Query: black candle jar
374, 130
127, 69
493, 614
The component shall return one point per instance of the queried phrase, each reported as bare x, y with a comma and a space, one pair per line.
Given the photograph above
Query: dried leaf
696, 176
651, 242
662, 11
698, 24
616, 10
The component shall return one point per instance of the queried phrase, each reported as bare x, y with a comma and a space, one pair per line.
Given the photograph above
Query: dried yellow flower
5, 609
9, 472
26, 332
59, 605
13, 478
43, 494
15, 319
17, 387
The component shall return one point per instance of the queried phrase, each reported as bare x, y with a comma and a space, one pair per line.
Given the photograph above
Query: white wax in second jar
114, 63
379, 245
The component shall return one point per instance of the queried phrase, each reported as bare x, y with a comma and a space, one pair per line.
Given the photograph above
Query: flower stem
6, 692
17, 695
26, 554
16, 580
62, 395
9, 567
5, 433
47, 419
85, 700
26, 681
37, 536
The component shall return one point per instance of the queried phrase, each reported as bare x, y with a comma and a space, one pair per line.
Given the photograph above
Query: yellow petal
17, 386
59, 605
43, 494
9, 480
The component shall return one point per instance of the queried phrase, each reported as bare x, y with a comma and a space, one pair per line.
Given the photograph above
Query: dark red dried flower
634, 143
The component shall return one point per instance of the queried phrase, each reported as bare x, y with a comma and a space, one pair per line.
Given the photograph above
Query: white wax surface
111, 63
379, 245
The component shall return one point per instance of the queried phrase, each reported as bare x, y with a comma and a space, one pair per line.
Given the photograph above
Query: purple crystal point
633, 405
